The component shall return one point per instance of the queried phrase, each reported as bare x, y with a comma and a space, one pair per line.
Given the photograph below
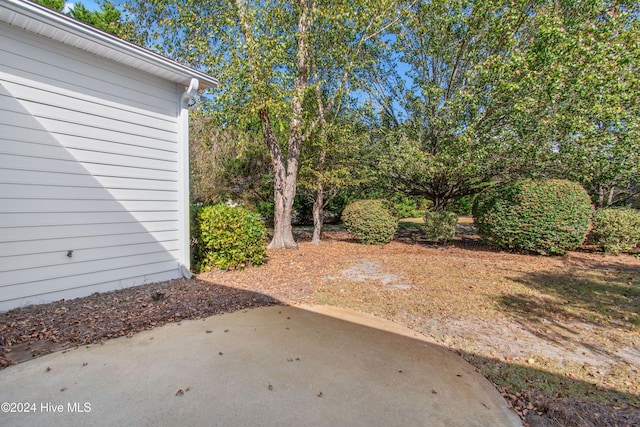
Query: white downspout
183, 170
188, 94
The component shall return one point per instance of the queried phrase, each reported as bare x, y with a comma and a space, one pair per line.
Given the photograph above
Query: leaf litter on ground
575, 316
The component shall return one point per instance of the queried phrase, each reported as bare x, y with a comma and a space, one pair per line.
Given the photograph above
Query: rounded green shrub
440, 226
546, 217
227, 237
616, 229
370, 221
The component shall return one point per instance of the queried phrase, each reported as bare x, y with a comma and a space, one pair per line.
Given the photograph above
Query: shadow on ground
37, 330
596, 297
540, 404
270, 366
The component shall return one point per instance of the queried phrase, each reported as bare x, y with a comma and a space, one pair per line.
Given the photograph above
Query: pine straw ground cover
558, 336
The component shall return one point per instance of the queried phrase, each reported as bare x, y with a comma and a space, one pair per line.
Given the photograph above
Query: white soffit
47, 23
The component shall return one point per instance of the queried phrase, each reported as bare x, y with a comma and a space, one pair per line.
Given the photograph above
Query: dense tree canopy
53, 4
592, 55
269, 58
476, 93
108, 18
434, 98
457, 100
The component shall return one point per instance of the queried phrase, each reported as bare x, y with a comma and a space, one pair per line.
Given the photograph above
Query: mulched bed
41, 329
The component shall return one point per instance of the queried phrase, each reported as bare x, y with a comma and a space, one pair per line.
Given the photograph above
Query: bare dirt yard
558, 336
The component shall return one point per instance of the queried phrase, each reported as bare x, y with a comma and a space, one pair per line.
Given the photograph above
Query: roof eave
64, 29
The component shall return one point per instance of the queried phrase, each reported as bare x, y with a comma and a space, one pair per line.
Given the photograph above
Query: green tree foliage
586, 57
52, 4
270, 57
370, 221
331, 164
547, 217
226, 164
497, 90
211, 152
458, 118
108, 18
228, 237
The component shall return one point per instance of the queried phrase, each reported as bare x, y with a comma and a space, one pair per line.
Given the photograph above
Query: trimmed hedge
616, 229
227, 237
545, 217
370, 221
440, 226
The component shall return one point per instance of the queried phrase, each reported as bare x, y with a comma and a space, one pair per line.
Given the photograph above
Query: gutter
72, 32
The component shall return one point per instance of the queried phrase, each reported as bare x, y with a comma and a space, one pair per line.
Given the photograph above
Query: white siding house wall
92, 167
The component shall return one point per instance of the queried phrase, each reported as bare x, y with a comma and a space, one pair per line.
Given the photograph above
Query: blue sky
89, 4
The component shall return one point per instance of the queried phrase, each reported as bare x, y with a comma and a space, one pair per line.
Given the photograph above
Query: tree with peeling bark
263, 54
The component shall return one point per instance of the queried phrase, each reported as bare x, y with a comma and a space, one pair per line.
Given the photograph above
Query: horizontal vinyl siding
87, 242
66, 179
54, 242
88, 163
81, 193
98, 281
66, 129
68, 69
69, 166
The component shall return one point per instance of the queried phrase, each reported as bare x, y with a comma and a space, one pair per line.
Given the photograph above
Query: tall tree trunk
285, 176
318, 202
284, 188
282, 229
318, 214
612, 193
